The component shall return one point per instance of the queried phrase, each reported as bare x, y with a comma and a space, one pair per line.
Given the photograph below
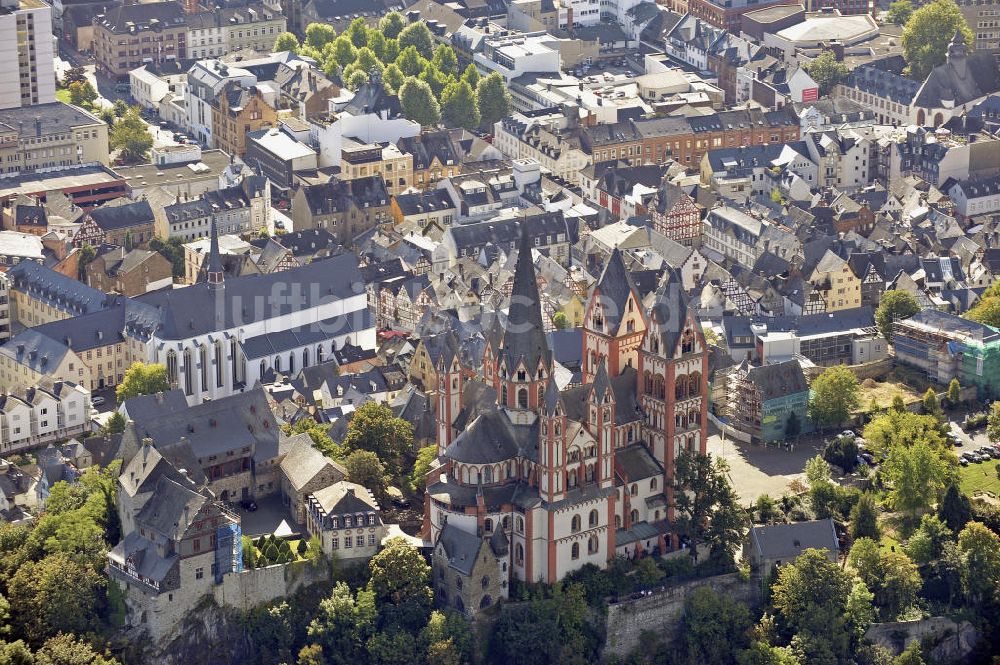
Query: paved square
756, 470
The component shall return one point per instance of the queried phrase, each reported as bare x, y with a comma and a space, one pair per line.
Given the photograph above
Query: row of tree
427, 79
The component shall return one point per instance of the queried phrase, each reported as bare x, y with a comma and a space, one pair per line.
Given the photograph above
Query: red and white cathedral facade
580, 474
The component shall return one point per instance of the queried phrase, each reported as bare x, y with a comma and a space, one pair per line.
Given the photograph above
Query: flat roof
151, 175
87, 175
773, 13
827, 28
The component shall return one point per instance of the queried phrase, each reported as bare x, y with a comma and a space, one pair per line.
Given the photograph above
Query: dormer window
521, 376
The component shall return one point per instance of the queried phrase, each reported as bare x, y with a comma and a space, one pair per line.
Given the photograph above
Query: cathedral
552, 478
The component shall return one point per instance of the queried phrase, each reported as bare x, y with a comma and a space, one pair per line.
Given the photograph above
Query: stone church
553, 479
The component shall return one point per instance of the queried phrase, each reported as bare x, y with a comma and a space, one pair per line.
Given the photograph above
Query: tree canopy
142, 379
130, 136
894, 306
929, 32
418, 102
375, 428
707, 508
827, 71
835, 394
493, 98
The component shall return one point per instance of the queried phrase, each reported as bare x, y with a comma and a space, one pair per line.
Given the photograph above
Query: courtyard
756, 470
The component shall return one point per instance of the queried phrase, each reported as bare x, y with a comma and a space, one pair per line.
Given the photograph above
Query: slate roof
116, 217
121, 19
171, 509
524, 335
784, 542
427, 145
303, 462
637, 463
423, 202
615, 285
961, 79
339, 195
343, 498
778, 380
492, 438
462, 547
57, 290
198, 309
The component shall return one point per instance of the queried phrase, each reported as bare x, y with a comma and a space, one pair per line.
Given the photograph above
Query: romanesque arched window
594, 518
575, 551
593, 545
575, 523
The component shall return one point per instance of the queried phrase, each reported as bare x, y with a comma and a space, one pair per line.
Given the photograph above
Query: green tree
916, 474
762, 653
987, 308
904, 428
16, 653
864, 518
493, 98
367, 61
559, 319
417, 35
120, 108
451, 631
54, 595
912, 655
834, 396
860, 610
343, 624
445, 60
980, 549
69, 650
827, 71
130, 137
471, 76
74, 75
365, 468
81, 93
410, 62
900, 12
435, 79
286, 41
766, 509
706, 506
398, 584
929, 540
392, 24
928, 34
954, 393
810, 596
894, 306
955, 509
459, 109
319, 35
357, 32
993, 423
418, 102
115, 424
375, 428
932, 406
550, 630
356, 79
318, 432
142, 379
713, 627
343, 51
311, 654
393, 78
425, 457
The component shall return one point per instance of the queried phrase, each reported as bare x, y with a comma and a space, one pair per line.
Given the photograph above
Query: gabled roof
615, 286
778, 380
784, 542
115, 217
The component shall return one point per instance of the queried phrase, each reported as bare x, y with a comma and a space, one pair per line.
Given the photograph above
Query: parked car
97, 400
249, 505
963, 462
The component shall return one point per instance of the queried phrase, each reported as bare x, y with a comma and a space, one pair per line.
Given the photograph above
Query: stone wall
660, 612
947, 640
255, 586
876, 369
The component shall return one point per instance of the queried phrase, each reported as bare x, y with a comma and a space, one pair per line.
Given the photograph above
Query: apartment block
26, 39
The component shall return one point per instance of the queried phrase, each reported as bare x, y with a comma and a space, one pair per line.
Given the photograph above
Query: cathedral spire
215, 274
524, 336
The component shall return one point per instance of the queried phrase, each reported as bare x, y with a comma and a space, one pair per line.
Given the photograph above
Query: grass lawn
980, 477
62, 95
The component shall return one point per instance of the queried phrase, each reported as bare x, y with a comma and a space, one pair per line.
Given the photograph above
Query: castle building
575, 475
